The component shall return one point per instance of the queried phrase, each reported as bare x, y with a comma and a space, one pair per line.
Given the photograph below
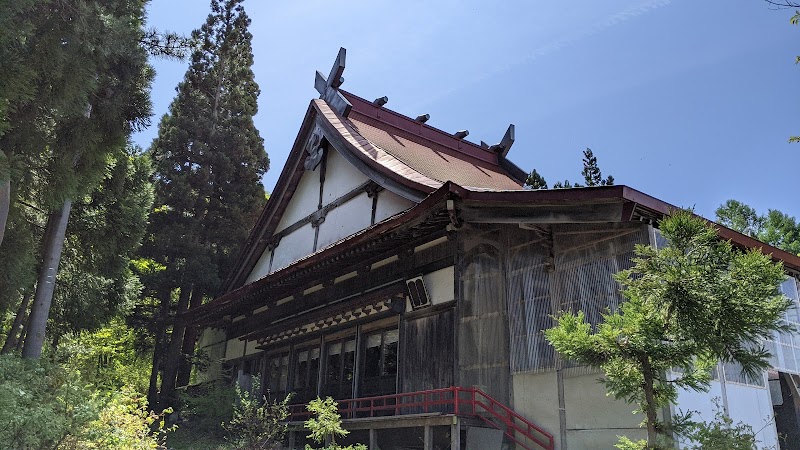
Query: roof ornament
328, 88
505, 144
314, 149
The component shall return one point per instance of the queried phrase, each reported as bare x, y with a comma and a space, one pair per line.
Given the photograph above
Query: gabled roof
402, 155
427, 151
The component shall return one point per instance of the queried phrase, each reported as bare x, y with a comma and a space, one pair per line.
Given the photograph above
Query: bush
206, 407
257, 422
123, 424
41, 404
327, 425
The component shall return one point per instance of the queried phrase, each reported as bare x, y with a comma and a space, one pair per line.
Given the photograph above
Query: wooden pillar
373, 439
455, 435
427, 442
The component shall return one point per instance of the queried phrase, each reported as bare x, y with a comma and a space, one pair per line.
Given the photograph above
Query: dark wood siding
427, 352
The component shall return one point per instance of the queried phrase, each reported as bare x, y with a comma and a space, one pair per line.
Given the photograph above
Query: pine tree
209, 162
687, 306
95, 282
535, 181
591, 172
106, 73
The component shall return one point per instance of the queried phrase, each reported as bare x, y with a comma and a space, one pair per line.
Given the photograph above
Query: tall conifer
105, 70
209, 162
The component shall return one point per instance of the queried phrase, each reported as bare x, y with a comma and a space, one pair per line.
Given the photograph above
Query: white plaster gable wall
293, 247
348, 218
390, 204
341, 177
304, 200
261, 269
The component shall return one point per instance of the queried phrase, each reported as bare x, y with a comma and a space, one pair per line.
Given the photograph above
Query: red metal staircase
461, 401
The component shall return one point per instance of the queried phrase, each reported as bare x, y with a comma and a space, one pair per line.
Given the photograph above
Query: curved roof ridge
372, 153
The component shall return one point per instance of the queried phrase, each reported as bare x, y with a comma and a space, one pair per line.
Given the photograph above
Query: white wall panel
390, 204
234, 349
261, 269
341, 177
748, 404
345, 220
304, 201
251, 348
293, 247
440, 285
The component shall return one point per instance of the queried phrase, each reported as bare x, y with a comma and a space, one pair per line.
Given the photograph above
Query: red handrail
448, 400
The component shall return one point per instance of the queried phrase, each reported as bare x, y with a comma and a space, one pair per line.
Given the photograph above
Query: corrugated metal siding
586, 259
483, 355
528, 299
513, 279
785, 347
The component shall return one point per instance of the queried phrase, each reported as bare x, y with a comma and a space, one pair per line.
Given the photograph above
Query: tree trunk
158, 349
15, 333
45, 286
5, 193
22, 335
173, 356
189, 340
650, 403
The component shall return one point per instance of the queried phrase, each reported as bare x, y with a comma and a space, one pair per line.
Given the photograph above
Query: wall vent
417, 293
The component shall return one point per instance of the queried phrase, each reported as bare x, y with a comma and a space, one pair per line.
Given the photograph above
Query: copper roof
418, 149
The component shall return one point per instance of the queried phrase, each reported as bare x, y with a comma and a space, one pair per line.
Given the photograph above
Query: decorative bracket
315, 150
372, 189
328, 88
318, 217
273, 243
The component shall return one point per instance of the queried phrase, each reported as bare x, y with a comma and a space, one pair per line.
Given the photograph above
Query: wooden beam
427, 260
593, 213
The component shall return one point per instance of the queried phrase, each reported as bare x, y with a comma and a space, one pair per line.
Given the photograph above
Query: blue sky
689, 101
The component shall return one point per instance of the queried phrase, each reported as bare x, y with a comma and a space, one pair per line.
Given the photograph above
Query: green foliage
774, 228
327, 425
686, 307
95, 280
206, 407
125, 423
626, 444
41, 404
209, 159
107, 358
591, 172
47, 406
257, 422
535, 181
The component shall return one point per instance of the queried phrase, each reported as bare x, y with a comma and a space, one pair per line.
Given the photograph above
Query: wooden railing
465, 402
